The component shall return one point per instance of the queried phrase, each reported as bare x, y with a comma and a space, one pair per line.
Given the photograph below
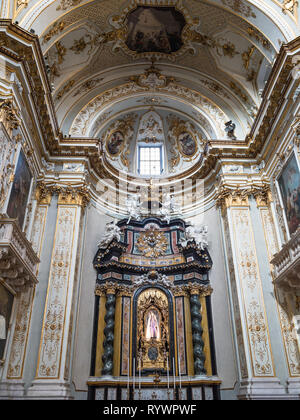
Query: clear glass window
150, 160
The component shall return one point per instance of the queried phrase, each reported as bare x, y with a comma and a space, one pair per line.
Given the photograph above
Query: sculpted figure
199, 234
133, 207
112, 231
169, 206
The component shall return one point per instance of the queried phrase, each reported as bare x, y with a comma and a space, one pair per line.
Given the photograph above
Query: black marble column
197, 333
108, 344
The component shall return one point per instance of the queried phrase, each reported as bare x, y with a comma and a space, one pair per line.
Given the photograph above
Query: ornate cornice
192, 288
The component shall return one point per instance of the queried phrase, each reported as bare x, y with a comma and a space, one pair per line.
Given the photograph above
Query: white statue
133, 207
199, 234
112, 231
169, 206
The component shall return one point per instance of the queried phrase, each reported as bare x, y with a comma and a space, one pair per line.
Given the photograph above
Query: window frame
150, 146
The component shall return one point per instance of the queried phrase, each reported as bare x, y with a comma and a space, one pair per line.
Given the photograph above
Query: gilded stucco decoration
83, 121
185, 140
240, 7
249, 277
117, 138
152, 243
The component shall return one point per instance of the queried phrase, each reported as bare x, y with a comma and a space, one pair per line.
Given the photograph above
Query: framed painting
155, 29
115, 143
6, 305
289, 185
20, 191
187, 144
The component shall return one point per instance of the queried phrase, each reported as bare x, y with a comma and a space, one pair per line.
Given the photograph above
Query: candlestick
128, 378
168, 372
174, 373
179, 372
133, 375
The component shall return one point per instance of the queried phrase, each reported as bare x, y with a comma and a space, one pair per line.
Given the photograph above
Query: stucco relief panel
259, 341
286, 321
53, 328
19, 344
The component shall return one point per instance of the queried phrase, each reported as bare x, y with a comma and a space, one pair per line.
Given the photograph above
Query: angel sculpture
134, 207
112, 231
198, 234
169, 206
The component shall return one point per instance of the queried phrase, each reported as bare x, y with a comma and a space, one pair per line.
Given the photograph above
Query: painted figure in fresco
187, 144
115, 142
152, 330
155, 29
289, 183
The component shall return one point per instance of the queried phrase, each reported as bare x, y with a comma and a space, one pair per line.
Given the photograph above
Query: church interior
149, 200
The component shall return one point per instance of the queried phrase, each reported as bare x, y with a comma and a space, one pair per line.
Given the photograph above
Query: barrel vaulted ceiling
216, 73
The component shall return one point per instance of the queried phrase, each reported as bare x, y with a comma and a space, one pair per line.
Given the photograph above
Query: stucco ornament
169, 207
112, 231
153, 277
133, 205
199, 234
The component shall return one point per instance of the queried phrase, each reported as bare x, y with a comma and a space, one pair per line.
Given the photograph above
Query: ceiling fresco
209, 59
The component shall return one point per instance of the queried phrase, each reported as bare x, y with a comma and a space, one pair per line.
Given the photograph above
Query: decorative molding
18, 261
252, 303
289, 335
52, 353
287, 263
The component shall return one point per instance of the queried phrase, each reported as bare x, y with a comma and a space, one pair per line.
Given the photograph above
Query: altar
153, 330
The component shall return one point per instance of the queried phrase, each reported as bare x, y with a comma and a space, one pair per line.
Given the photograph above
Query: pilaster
292, 354
52, 379
256, 365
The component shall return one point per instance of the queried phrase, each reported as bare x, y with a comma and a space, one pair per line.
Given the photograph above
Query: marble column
108, 344
197, 333
52, 379
255, 359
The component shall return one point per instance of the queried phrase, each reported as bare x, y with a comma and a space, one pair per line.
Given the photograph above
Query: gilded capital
73, 196
43, 194
232, 197
262, 195
9, 115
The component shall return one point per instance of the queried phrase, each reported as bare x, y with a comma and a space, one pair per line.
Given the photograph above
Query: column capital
234, 196
9, 115
67, 194
262, 195
70, 195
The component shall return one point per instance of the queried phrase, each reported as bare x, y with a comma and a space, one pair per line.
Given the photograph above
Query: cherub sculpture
133, 207
198, 234
169, 206
112, 231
